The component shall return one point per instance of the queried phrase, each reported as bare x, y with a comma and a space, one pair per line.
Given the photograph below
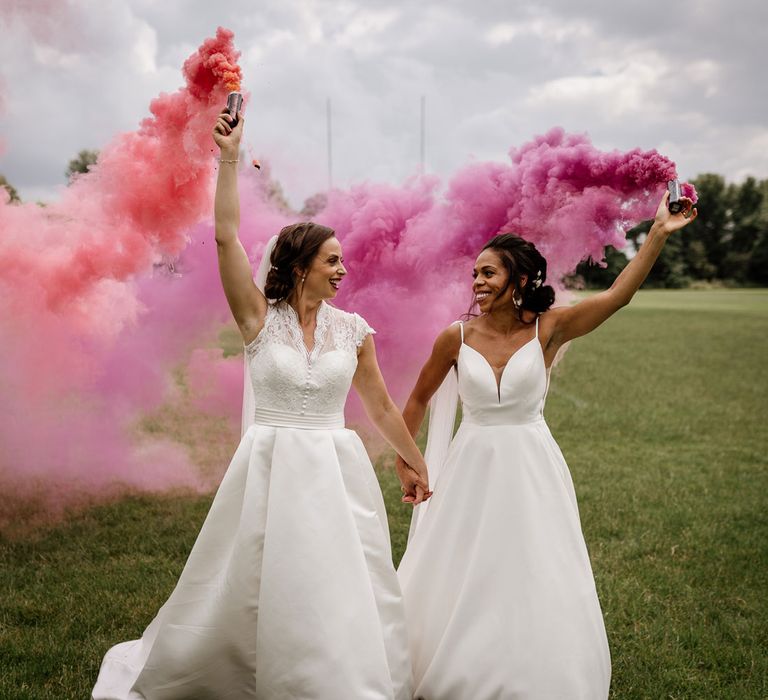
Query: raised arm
577, 320
246, 302
386, 417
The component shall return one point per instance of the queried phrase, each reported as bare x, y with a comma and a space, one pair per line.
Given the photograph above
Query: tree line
727, 244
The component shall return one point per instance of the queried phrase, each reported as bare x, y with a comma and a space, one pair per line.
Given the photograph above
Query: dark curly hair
296, 247
521, 258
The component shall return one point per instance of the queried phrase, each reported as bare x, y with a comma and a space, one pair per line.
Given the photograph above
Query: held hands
414, 483
227, 138
667, 222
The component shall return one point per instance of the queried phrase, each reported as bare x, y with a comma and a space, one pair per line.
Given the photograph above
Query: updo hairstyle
294, 250
521, 258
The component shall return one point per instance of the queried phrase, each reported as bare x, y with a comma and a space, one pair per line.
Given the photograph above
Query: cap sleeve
362, 329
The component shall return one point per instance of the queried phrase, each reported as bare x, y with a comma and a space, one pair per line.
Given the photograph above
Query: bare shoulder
548, 324
448, 342
548, 319
477, 328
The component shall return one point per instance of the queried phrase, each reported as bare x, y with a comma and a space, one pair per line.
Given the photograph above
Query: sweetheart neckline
506, 364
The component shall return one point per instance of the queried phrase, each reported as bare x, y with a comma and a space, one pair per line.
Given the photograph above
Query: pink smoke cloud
688, 190
411, 249
105, 291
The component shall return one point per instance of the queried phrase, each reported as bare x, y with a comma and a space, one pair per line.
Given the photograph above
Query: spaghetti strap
537, 326
461, 328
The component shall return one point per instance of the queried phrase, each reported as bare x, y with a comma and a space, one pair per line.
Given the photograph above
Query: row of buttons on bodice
287, 377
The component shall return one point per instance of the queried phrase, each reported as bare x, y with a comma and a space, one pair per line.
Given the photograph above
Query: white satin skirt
289, 591
499, 593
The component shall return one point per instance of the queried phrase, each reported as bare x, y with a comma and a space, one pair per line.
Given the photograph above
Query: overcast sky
684, 77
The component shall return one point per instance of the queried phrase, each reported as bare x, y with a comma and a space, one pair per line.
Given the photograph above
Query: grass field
661, 415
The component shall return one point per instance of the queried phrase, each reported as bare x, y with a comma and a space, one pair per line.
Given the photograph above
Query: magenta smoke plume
411, 250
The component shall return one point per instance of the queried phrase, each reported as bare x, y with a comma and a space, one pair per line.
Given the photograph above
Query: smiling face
326, 271
491, 286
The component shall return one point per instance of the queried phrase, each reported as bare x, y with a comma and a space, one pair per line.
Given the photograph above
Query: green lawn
661, 415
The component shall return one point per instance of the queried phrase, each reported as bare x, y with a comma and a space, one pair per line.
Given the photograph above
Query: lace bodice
286, 377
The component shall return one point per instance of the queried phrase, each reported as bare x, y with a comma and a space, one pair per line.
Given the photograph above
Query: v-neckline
300, 331
506, 364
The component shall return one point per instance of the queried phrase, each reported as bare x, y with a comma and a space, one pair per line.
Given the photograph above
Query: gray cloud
494, 74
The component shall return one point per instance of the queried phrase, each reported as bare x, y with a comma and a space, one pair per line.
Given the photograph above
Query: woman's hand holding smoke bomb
226, 137
667, 222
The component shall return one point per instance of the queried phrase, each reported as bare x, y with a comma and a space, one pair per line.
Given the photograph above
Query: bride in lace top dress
290, 590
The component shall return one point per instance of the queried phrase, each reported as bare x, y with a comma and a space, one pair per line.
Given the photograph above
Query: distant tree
705, 242
758, 260
595, 276
10, 189
757, 271
82, 164
746, 207
697, 258
745, 227
670, 269
727, 242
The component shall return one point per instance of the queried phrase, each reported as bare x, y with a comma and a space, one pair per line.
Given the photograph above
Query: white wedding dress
499, 593
289, 591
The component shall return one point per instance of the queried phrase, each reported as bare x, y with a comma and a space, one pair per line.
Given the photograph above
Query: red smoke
214, 64
71, 306
137, 203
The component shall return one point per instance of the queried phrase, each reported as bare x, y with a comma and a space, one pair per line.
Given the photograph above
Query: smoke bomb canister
234, 103
675, 205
